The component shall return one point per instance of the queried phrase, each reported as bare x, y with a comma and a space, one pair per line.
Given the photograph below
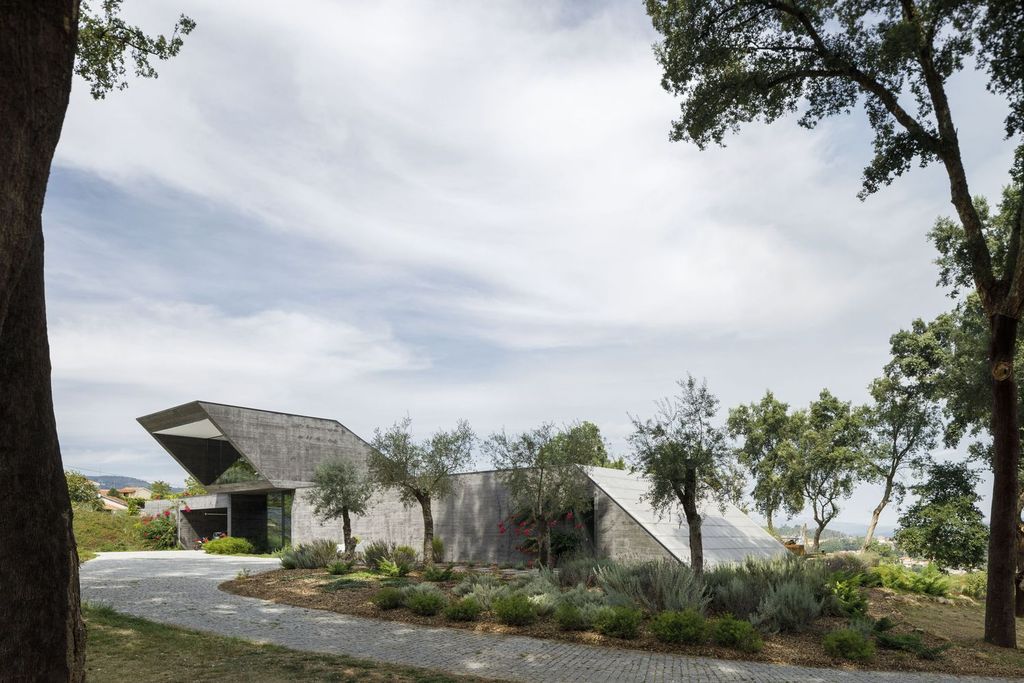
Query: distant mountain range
112, 481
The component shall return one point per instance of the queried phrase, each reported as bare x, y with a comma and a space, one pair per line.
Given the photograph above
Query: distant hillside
834, 530
117, 482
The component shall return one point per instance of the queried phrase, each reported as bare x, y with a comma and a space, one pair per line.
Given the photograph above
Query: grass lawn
124, 648
97, 531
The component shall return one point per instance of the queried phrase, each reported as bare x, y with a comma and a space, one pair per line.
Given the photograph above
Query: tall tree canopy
82, 491
904, 421
584, 444
40, 49
686, 459
765, 430
541, 470
421, 472
732, 62
830, 456
945, 525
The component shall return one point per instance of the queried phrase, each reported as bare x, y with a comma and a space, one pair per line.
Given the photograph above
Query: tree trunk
771, 526
544, 543
877, 513
1000, 623
346, 532
693, 521
817, 537
1020, 554
43, 637
428, 531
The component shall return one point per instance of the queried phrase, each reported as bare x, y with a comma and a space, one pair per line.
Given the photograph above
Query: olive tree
733, 62
686, 459
42, 44
341, 489
421, 472
541, 469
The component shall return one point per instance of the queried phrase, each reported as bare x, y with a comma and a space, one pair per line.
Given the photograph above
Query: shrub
228, 545
465, 609
571, 618
312, 555
848, 598
974, 585
929, 581
736, 633
390, 568
884, 624
375, 551
656, 586
845, 562
433, 573
345, 584
618, 622
579, 570
789, 606
404, 556
159, 532
514, 610
425, 599
687, 627
849, 644
863, 625
389, 598
437, 549
736, 596
340, 567
908, 642
471, 580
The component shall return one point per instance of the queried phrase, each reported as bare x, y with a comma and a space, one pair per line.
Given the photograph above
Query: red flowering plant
159, 531
564, 534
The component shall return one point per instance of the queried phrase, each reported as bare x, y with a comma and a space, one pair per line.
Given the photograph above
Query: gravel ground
180, 588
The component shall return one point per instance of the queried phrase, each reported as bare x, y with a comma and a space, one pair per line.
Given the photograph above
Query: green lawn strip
119, 645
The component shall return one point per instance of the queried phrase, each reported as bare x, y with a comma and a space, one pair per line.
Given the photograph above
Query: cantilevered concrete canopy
229, 447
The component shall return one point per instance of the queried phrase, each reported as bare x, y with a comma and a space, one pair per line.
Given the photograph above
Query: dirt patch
936, 622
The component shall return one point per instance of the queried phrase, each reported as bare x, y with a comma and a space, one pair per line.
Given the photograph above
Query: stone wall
467, 521
619, 537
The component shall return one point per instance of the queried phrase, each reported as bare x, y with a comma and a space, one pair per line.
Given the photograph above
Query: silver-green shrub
788, 607
312, 555
656, 586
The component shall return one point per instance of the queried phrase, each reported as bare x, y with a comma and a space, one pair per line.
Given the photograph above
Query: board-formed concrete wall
467, 521
619, 537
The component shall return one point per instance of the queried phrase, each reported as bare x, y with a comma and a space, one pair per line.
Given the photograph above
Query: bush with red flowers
160, 531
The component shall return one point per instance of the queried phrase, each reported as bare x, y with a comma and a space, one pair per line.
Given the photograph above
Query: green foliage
848, 596
542, 476
347, 583
228, 545
974, 585
582, 442
849, 644
340, 567
514, 610
765, 428
464, 609
160, 490
389, 568
684, 457
389, 598
849, 563
945, 525
910, 642
656, 586
312, 555
790, 606
437, 549
435, 573
193, 487
736, 633
884, 624
159, 532
689, 627
929, 581
569, 617
618, 622
736, 595
82, 491
101, 531
739, 589
340, 488
580, 570
105, 39
425, 599
375, 551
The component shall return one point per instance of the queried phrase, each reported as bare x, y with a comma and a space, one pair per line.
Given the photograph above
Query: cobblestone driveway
180, 587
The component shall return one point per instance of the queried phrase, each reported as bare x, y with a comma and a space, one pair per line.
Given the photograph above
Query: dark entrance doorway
264, 519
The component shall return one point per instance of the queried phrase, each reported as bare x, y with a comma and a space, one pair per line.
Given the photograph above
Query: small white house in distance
257, 467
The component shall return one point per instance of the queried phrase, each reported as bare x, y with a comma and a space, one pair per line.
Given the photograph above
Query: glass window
279, 519
239, 471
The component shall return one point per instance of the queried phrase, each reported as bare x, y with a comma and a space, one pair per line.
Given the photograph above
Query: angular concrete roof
284, 449
731, 536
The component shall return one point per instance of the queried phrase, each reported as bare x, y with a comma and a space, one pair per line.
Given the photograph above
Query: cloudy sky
460, 209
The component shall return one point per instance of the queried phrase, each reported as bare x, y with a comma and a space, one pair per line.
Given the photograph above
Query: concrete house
257, 467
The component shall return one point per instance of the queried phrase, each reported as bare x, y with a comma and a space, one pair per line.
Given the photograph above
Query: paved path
180, 587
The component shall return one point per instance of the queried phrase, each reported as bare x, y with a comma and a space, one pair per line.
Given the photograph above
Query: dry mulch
305, 588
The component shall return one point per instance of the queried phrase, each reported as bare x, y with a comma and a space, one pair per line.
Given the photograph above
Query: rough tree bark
688, 497
886, 497
346, 532
428, 529
1000, 626
1020, 555
43, 638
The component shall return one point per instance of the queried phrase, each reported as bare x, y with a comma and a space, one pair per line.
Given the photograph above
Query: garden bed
934, 620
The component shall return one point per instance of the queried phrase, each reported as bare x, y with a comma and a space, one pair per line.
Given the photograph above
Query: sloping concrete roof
729, 536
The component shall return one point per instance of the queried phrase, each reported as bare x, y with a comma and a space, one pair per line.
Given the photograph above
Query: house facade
257, 467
